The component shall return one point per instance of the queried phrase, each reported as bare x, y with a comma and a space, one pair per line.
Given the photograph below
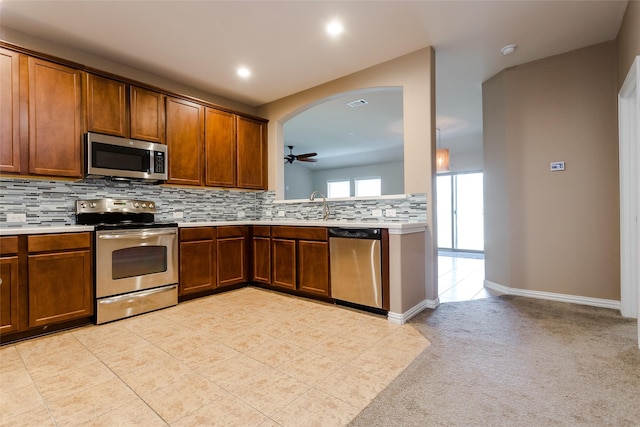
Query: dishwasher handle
356, 233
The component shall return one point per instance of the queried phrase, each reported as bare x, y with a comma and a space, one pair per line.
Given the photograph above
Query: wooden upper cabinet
115, 108
55, 119
147, 115
220, 148
9, 111
185, 125
252, 154
106, 106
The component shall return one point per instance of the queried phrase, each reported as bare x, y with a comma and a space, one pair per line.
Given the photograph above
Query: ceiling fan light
442, 160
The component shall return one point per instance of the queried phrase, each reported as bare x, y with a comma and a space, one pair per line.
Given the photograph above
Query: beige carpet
515, 361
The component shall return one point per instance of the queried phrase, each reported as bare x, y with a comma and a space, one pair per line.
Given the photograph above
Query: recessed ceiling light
244, 72
508, 49
335, 28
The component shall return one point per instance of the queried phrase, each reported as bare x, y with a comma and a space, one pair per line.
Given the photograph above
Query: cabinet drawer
197, 233
232, 231
8, 245
308, 233
261, 230
58, 242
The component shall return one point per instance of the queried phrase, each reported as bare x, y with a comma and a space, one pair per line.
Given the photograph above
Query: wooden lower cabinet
9, 273
232, 255
284, 263
60, 287
262, 259
197, 260
313, 267
47, 283
300, 259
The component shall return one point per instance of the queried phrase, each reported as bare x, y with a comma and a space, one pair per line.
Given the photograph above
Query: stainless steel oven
136, 258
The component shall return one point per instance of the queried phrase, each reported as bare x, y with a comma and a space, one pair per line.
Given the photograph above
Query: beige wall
628, 40
554, 231
63, 52
415, 73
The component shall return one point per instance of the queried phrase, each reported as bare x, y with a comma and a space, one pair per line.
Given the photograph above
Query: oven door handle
137, 235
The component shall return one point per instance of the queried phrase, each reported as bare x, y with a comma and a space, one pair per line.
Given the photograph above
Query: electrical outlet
268, 214
280, 213
240, 214
376, 213
16, 217
391, 213
178, 215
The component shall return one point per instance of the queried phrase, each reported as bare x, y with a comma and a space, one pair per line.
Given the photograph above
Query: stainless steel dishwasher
356, 274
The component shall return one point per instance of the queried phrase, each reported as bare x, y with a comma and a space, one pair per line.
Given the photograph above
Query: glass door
460, 211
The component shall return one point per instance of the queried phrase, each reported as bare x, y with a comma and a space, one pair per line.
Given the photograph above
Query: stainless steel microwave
121, 158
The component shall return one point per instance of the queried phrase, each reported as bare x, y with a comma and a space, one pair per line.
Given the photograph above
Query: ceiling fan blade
307, 159
303, 156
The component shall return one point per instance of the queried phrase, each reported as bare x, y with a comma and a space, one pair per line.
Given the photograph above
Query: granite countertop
397, 227
12, 231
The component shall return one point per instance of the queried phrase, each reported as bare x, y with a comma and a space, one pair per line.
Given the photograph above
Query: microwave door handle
137, 235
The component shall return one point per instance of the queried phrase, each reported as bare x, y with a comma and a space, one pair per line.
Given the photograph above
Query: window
338, 189
368, 187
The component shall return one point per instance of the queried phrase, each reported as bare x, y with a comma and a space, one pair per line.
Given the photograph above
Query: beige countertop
394, 228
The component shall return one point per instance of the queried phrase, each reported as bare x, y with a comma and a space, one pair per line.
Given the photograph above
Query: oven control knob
92, 205
144, 205
136, 204
83, 205
150, 205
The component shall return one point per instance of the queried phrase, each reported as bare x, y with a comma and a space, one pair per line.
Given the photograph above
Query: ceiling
201, 43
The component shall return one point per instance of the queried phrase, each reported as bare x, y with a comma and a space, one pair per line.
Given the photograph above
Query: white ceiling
201, 43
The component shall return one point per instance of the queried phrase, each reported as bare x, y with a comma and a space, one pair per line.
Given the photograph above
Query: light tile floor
461, 279
245, 357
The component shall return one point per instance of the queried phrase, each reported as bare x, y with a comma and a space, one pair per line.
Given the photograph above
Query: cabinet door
220, 148
60, 287
283, 252
9, 294
55, 119
262, 259
231, 261
252, 155
197, 266
9, 111
313, 267
185, 122
147, 115
106, 106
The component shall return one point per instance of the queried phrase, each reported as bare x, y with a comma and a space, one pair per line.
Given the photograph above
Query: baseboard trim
402, 318
573, 299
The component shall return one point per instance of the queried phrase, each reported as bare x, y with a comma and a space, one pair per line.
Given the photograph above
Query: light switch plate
391, 213
557, 166
376, 213
280, 213
240, 214
178, 215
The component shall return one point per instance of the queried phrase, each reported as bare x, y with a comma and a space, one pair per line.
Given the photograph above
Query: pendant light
442, 156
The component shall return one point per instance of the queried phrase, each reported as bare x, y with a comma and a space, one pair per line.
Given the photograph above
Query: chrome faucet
325, 206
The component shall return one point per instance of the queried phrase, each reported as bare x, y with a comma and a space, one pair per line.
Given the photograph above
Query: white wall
392, 175
299, 183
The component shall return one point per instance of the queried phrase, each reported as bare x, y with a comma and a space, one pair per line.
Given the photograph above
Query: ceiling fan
290, 158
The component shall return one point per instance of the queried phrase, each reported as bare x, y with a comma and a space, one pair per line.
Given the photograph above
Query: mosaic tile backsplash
52, 203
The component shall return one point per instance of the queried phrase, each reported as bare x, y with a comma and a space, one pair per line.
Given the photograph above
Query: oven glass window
139, 261
123, 158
